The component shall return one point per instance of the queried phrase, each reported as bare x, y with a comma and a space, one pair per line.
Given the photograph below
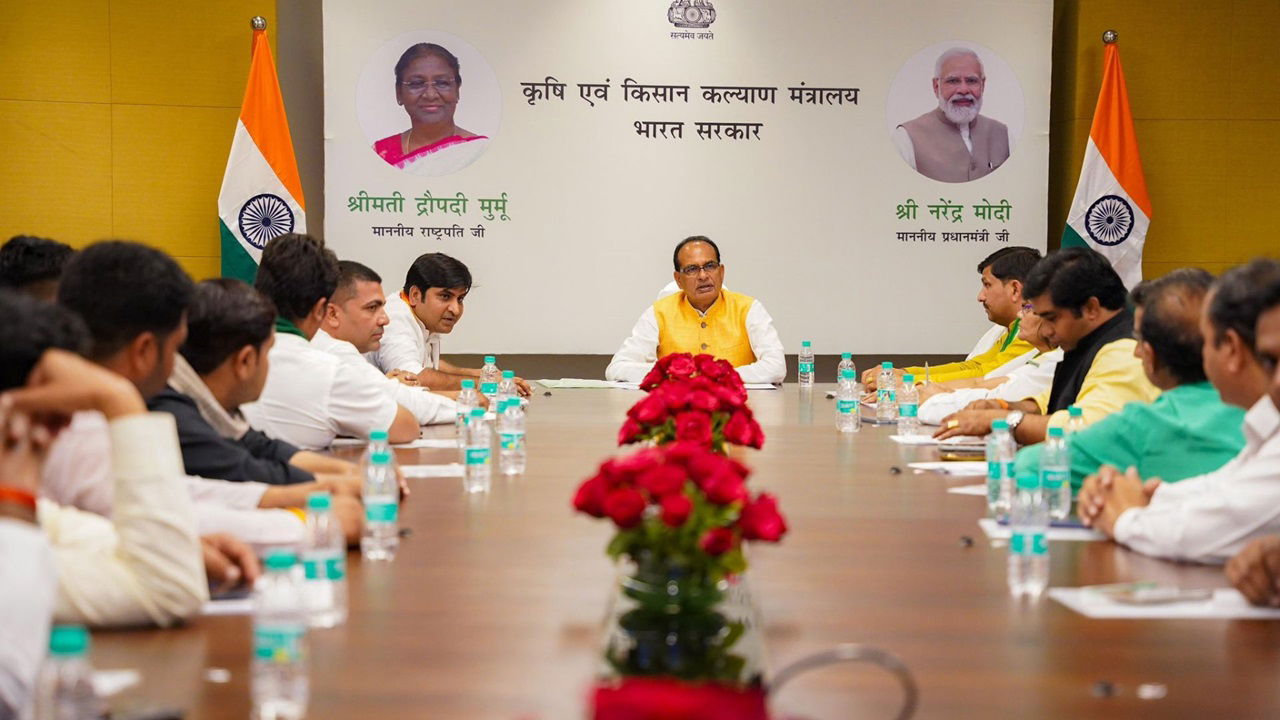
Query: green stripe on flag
1070, 238
236, 263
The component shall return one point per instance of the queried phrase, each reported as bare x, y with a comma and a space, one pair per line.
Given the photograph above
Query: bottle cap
909, 379
999, 425
380, 458
846, 374
319, 500
804, 343
468, 384
508, 374
1075, 411
477, 412
846, 356
886, 365
1028, 481
1055, 432
68, 640
489, 359
378, 436
280, 559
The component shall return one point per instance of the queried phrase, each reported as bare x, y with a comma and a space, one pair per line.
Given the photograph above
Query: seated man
353, 324
222, 365
702, 318
1081, 301
1210, 517
310, 396
1028, 379
1188, 430
32, 265
429, 306
1003, 274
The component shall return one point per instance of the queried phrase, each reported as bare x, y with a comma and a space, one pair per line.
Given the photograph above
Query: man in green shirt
1188, 430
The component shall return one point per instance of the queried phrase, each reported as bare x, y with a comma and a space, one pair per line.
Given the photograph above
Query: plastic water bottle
379, 442
1001, 450
280, 686
507, 389
64, 687
908, 406
478, 453
489, 376
1055, 474
1029, 539
381, 509
805, 371
511, 453
467, 399
848, 395
886, 394
324, 564
846, 363
1075, 419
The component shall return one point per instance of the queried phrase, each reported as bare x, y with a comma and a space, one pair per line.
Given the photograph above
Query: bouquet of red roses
695, 399
682, 505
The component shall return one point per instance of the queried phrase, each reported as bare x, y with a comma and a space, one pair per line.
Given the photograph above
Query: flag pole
1109, 37
260, 23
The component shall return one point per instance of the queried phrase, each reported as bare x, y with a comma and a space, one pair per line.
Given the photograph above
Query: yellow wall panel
1253, 54
200, 268
167, 173
56, 51
1253, 186
56, 180
1186, 166
190, 53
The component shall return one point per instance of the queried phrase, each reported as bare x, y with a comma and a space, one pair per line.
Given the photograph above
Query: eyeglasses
710, 266
444, 85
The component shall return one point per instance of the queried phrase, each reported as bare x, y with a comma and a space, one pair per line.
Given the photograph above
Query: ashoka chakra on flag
263, 217
1109, 220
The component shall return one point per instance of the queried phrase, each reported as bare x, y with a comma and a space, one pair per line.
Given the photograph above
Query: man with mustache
954, 142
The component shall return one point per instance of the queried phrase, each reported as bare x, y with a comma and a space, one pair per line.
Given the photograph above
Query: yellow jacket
1006, 348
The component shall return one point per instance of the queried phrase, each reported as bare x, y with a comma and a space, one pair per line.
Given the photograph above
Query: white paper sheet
996, 531
432, 471
968, 490
1226, 603
418, 443
234, 606
964, 468
960, 441
568, 383
109, 682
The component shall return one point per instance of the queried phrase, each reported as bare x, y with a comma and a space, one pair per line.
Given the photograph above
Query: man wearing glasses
702, 317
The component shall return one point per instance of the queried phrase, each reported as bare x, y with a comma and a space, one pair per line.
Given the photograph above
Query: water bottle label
806, 367
884, 395
1029, 543
489, 388
278, 644
993, 470
334, 568
512, 440
1053, 479
477, 455
846, 406
908, 410
381, 511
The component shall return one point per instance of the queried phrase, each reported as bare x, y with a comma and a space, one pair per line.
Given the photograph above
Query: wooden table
494, 605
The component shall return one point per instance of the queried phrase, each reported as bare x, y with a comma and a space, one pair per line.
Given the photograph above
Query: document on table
418, 443
997, 531
229, 606
574, 383
962, 441
432, 471
1226, 603
968, 490
964, 468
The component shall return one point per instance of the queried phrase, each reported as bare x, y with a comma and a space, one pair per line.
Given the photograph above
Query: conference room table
495, 605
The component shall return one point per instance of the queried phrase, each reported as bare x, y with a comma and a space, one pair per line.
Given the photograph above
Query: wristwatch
1014, 419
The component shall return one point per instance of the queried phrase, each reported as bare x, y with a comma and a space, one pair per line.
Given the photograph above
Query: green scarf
284, 325
1008, 339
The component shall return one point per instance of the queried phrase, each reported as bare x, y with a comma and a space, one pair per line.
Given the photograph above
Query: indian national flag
261, 194
1111, 210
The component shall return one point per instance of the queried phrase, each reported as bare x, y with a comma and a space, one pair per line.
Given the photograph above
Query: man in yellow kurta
1003, 273
702, 317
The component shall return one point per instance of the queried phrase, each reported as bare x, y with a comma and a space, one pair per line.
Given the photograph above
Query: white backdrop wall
805, 208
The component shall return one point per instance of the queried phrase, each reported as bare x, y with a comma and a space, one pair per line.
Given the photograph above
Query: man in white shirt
311, 396
702, 318
429, 306
354, 323
1211, 517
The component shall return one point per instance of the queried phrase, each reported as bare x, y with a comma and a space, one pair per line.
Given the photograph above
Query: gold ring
953, 423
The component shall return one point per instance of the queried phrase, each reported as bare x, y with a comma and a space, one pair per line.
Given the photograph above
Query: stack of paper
1225, 604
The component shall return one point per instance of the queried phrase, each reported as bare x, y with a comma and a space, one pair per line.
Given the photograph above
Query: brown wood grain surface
494, 605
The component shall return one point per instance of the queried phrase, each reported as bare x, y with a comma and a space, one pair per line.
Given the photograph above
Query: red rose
648, 698
675, 394
629, 432
716, 541
704, 464
629, 467
725, 487
649, 411
681, 367
653, 378
682, 452
704, 401
590, 496
662, 480
760, 519
706, 364
757, 436
664, 362
625, 507
742, 470
675, 510
742, 429
731, 398
695, 427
